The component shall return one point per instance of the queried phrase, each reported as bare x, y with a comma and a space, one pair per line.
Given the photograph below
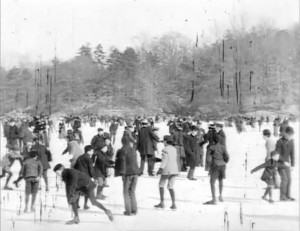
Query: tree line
242, 71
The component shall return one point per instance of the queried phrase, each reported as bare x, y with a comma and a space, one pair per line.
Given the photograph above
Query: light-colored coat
170, 163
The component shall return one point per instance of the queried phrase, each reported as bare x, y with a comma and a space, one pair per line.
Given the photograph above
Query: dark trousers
90, 195
129, 186
191, 173
151, 162
285, 185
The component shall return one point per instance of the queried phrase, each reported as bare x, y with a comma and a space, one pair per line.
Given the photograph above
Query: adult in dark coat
113, 129
285, 148
191, 152
145, 146
78, 183
45, 156
127, 167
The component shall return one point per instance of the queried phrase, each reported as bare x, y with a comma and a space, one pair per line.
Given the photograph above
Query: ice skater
220, 158
32, 171
78, 183
268, 175
169, 169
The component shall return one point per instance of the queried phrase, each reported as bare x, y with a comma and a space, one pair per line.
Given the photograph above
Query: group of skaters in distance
186, 147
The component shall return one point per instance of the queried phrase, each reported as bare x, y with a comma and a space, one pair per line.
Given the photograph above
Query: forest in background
243, 71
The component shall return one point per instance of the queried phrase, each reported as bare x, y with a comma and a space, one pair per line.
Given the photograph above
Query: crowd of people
186, 147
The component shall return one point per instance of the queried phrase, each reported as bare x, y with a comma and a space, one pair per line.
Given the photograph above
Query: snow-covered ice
242, 191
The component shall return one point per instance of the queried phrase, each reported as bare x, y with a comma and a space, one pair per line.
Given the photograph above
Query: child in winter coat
32, 170
268, 175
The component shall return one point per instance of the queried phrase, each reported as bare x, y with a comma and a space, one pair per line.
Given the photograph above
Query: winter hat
57, 167
289, 130
267, 132
100, 129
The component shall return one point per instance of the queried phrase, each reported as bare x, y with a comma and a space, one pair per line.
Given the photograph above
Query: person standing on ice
102, 159
145, 146
169, 169
45, 156
220, 158
78, 183
126, 166
285, 148
32, 170
192, 152
113, 129
268, 175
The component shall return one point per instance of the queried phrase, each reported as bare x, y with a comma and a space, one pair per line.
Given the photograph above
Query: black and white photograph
149, 115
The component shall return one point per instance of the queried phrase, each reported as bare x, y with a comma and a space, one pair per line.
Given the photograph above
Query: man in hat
285, 148
208, 137
169, 169
146, 138
191, 152
78, 183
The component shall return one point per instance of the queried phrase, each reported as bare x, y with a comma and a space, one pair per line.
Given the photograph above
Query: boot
26, 209
74, 221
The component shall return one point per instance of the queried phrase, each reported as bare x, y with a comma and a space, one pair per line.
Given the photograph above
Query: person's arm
292, 154
225, 155
152, 135
278, 149
259, 167
40, 169
164, 159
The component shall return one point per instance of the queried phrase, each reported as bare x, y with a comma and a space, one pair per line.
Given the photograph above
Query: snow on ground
242, 191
